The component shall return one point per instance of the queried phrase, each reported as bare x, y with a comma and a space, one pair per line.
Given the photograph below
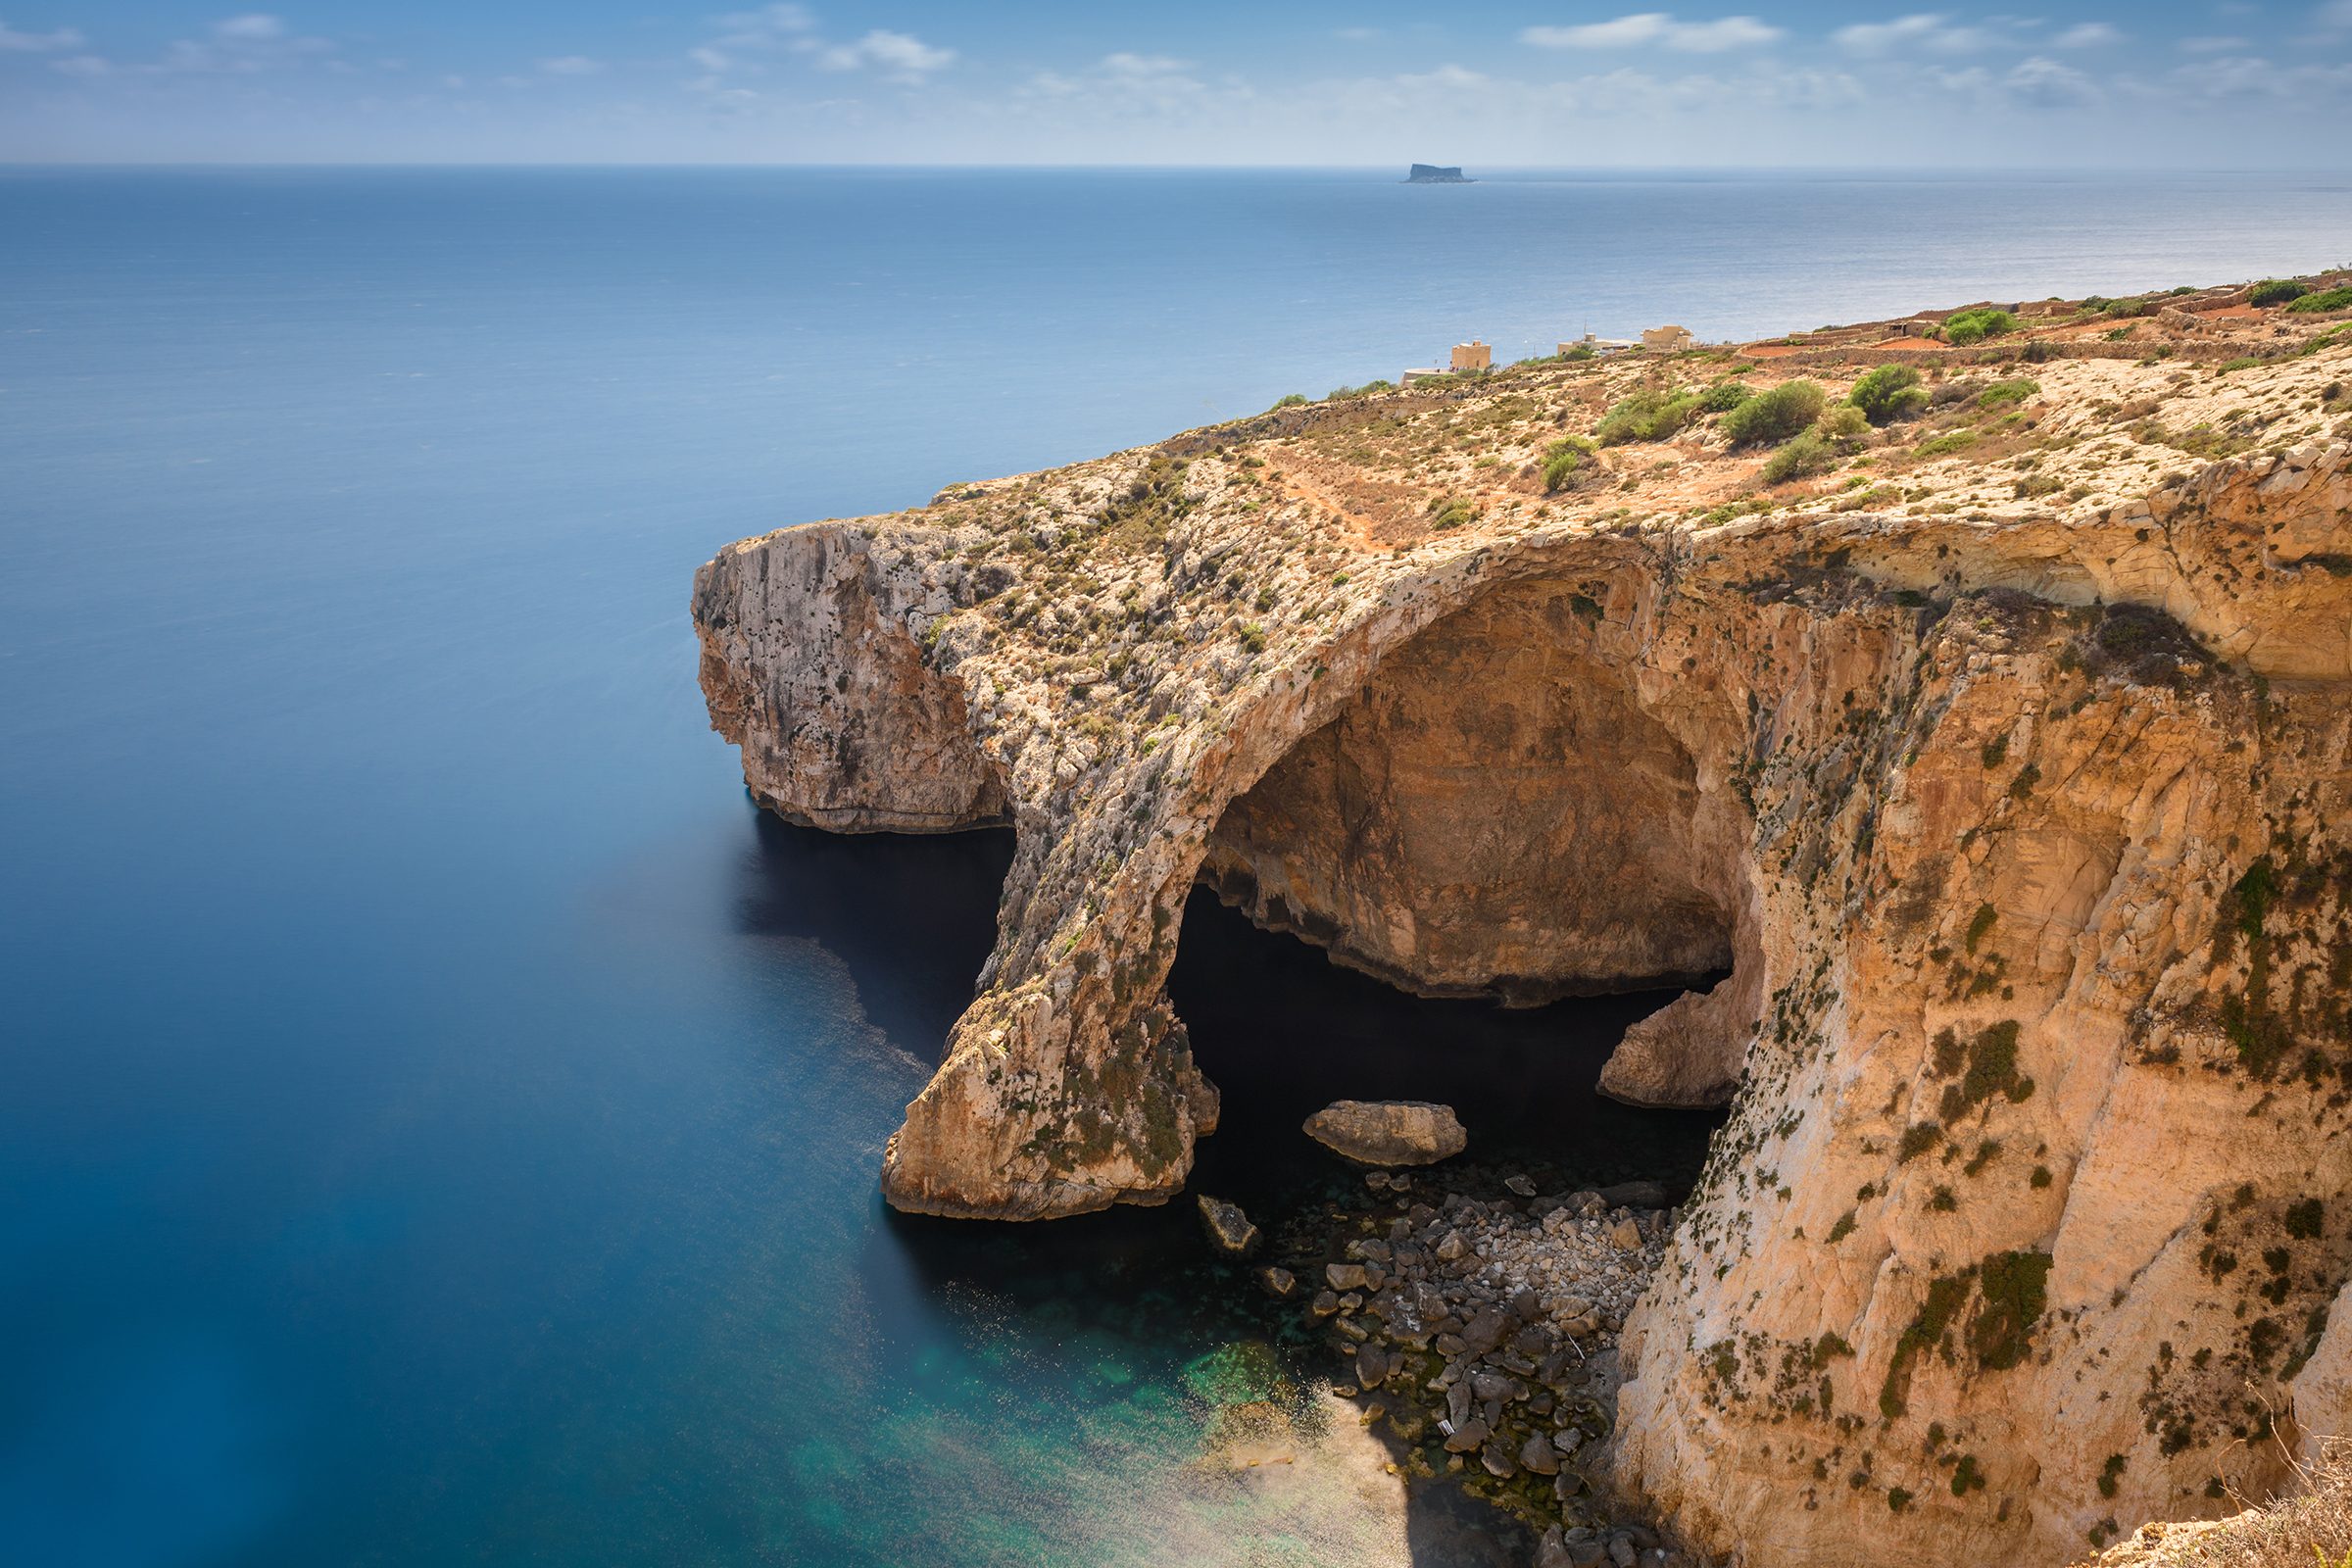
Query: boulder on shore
1229, 1229
1388, 1132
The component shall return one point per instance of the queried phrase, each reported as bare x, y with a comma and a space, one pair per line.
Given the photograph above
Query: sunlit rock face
1494, 814
2012, 795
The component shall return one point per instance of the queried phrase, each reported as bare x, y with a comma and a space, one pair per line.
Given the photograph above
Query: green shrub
1723, 397
1450, 512
1561, 461
1649, 415
1975, 326
1844, 429
1838, 434
1577, 350
1290, 400
1888, 393
2335, 299
2276, 291
2001, 393
1342, 393
1944, 445
1775, 416
1798, 459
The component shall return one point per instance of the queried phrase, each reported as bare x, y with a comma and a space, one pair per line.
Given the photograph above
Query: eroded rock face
1388, 1132
2024, 826
1496, 813
811, 669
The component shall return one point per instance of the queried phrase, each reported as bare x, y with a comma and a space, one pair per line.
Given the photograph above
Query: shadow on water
912, 917
1282, 1031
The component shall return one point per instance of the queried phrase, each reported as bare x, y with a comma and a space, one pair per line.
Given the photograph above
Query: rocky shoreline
1474, 1314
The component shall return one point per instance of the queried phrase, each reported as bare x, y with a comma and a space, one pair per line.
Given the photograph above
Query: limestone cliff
2006, 768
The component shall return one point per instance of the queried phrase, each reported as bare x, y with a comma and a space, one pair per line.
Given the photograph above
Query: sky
2211, 85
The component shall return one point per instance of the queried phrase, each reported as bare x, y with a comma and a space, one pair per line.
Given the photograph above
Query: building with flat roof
1472, 356
1668, 339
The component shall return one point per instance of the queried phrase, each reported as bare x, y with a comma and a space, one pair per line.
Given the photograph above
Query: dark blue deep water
438, 1118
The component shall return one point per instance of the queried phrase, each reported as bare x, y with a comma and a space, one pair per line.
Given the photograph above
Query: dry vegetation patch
2311, 1530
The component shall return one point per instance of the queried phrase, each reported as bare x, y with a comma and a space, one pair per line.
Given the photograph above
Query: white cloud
1933, 31
1726, 32
2239, 77
571, 66
765, 30
900, 56
2040, 82
1647, 27
1446, 79
1131, 64
2336, 15
1132, 87
82, 66
35, 43
2088, 35
1624, 33
771, 19
239, 45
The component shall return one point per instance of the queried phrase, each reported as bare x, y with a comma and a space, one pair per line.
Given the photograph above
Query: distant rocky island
1433, 175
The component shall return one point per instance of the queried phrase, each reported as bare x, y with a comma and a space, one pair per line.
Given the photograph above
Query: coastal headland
1961, 705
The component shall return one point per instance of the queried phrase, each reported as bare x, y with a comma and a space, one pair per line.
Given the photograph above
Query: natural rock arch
2032, 881
1497, 811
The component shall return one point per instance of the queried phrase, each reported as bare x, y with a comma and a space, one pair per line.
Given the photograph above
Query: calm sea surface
438, 1118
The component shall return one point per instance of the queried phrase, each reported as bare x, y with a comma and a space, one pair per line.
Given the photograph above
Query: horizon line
1044, 166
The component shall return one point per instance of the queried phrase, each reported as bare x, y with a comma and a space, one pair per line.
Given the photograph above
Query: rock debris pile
1482, 1332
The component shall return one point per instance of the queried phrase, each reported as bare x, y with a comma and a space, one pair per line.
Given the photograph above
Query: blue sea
438, 1117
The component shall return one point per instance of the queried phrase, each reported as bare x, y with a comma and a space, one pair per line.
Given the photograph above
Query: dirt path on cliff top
1373, 513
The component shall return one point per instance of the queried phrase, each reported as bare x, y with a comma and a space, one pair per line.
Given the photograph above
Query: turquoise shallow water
438, 1118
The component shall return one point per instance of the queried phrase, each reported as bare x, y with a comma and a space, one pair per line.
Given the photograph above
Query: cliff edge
2000, 755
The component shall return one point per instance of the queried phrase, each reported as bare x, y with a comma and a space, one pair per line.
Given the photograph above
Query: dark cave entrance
1282, 1031
1500, 856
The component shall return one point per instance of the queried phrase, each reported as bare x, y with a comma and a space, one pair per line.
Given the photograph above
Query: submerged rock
1229, 1229
1388, 1132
